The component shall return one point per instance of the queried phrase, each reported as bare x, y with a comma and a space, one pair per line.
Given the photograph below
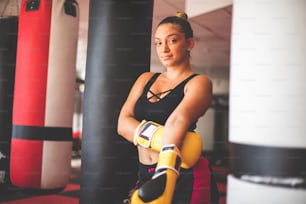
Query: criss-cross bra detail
164, 104
158, 95
163, 94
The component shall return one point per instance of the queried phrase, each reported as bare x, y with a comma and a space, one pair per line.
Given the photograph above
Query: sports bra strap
189, 78
151, 81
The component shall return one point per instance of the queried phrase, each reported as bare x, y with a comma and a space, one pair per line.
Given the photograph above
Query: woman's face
171, 45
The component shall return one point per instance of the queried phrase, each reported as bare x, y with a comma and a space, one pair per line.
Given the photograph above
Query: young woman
175, 99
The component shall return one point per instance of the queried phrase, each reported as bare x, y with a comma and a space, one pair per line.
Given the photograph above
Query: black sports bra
160, 110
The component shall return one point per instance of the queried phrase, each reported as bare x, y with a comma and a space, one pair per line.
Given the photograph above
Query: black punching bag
8, 45
118, 52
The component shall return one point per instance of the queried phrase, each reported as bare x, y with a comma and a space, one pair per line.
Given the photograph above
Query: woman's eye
172, 41
157, 44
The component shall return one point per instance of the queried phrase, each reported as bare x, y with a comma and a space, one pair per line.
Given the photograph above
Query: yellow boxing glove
149, 134
160, 189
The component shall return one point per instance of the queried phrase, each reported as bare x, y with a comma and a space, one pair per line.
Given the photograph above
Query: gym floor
70, 195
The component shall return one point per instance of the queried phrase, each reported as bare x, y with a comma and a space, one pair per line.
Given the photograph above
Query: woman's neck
178, 72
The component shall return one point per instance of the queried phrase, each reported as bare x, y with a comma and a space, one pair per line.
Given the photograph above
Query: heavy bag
119, 39
43, 97
267, 103
8, 45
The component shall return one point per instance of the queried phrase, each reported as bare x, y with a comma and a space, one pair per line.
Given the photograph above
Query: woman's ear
190, 43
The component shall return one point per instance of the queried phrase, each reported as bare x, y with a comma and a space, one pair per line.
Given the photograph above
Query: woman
176, 99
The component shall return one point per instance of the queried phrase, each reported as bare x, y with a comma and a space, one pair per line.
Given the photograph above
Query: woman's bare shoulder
144, 77
199, 84
200, 80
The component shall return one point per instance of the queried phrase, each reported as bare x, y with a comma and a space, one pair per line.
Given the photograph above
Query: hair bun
181, 14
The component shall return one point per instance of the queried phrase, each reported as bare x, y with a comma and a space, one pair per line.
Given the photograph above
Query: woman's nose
165, 47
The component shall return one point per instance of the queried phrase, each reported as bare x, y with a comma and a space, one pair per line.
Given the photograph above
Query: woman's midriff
147, 156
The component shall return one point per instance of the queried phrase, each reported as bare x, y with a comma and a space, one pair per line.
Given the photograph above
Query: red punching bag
43, 96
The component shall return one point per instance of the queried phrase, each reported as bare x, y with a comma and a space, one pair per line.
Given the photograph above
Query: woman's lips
166, 57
